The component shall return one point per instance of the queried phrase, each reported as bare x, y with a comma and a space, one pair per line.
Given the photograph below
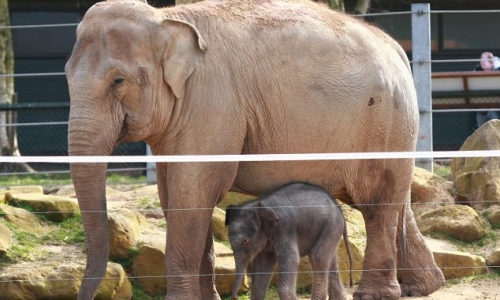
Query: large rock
234, 198
493, 215
5, 239
54, 208
458, 221
477, 179
219, 229
148, 267
456, 264
494, 258
20, 217
26, 189
125, 226
57, 280
430, 189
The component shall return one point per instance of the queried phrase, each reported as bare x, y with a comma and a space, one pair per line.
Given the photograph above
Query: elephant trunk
88, 137
239, 278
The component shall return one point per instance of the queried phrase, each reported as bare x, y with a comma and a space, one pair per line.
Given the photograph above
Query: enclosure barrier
421, 62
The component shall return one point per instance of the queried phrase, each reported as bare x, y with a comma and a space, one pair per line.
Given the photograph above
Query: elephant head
124, 81
251, 228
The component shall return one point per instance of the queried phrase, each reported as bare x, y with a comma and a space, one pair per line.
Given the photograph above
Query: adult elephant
243, 77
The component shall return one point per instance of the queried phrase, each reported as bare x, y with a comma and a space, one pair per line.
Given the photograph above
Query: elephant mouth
122, 137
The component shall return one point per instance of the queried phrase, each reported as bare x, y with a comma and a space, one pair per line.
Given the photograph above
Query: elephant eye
118, 80
245, 242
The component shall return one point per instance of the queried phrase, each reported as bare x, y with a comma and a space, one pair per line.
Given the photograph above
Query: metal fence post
421, 49
150, 168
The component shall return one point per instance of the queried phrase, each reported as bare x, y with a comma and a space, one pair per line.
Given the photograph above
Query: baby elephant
296, 220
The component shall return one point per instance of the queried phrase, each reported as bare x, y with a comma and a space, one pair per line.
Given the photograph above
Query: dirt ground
457, 289
466, 289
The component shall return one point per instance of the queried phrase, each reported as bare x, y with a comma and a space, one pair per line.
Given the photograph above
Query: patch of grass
487, 276
69, 231
118, 178
475, 247
25, 247
138, 294
61, 179
35, 179
127, 262
26, 243
443, 170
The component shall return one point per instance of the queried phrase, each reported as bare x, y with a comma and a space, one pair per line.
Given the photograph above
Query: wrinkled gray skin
294, 221
246, 77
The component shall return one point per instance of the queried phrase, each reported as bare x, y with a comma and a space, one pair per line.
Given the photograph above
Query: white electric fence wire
248, 157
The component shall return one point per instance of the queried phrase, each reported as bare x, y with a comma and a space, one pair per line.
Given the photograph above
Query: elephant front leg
288, 266
186, 240
419, 272
378, 280
207, 280
262, 269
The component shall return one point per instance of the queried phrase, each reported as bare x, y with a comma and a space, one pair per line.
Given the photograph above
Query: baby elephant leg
288, 266
335, 288
262, 268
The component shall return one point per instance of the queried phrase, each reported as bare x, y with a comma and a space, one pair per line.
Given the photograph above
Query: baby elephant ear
184, 51
266, 213
231, 212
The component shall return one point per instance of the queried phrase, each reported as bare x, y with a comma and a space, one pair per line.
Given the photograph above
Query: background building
42, 50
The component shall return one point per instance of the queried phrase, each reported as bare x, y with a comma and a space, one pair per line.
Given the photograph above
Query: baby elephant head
251, 228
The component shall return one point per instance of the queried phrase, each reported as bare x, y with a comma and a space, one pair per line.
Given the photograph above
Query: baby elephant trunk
238, 280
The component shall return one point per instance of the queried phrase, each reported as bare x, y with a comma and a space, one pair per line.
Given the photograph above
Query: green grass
443, 170
26, 243
62, 179
69, 231
138, 294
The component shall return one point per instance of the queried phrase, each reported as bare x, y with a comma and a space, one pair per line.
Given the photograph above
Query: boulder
2, 196
59, 280
148, 267
493, 215
456, 264
5, 239
219, 229
125, 226
430, 189
20, 217
26, 189
494, 258
54, 208
234, 198
458, 221
477, 179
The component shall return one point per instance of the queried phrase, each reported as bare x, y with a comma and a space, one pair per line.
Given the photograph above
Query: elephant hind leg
420, 274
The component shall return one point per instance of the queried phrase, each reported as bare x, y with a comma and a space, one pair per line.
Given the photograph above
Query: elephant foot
429, 281
377, 293
368, 296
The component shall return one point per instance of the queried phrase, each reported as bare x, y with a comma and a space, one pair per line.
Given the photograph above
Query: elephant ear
231, 213
184, 51
268, 219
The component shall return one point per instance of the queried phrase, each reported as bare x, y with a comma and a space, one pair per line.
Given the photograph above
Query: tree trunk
362, 7
8, 137
177, 2
337, 5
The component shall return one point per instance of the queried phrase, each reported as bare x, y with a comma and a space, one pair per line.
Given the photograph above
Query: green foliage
26, 244
442, 170
127, 262
138, 294
35, 179
61, 179
69, 231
